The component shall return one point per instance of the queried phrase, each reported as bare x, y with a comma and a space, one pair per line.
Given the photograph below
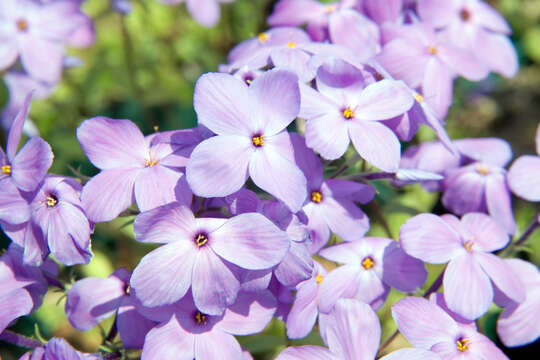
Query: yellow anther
462, 344
348, 113
51, 201
419, 98
200, 318
368, 263
201, 239
291, 44
432, 50
22, 25
258, 140
263, 37
469, 244
331, 8
6, 169
318, 278
482, 169
316, 196
150, 163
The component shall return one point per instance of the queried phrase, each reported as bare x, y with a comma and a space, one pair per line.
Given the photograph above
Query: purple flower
189, 334
132, 167
198, 252
58, 349
524, 174
472, 272
345, 108
372, 266
205, 12
427, 326
252, 138
516, 326
91, 300
24, 169
477, 27
31, 30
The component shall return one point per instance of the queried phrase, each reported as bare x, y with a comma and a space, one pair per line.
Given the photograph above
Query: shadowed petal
14, 304
132, 326
217, 345
31, 164
502, 275
249, 314
169, 341
401, 271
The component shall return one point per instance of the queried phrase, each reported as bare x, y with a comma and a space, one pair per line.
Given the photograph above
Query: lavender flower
251, 126
472, 272
524, 174
133, 167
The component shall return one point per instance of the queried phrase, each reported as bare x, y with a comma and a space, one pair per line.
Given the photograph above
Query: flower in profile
205, 12
473, 274
372, 266
427, 326
132, 167
199, 252
252, 137
58, 349
524, 174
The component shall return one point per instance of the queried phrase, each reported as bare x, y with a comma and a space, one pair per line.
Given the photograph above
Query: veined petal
250, 241
524, 177
311, 352
383, 100
132, 326
502, 275
328, 135
499, 202
169, 341
217, 345
168, 223
344, 218
249, 314
16, 128
437, 85
411, 354
341, 282
14, 304
467, 289
31, 164
156, 186
218, 166
487, 234
110, 143
304, 311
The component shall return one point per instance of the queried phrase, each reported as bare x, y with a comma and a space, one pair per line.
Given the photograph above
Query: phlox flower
186, 333
352, 332
205, 12
372, 266
473, 273
345, 109
132, 167
524, 174
427, 326
199, 252
252, 138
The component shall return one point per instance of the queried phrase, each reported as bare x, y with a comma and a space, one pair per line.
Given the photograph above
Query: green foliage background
143, 67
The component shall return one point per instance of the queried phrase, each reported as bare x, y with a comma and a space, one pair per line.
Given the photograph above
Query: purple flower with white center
58, 349
30, 29
477, 27
285, 48
472, 272
331, 202
345, 109
58, 212
252, 137
427, 326
205, 12
132, 167
352, 332
516, 326
26, 168
372, 266
189, 334
422, 58
91, 300
524, 174
198, 252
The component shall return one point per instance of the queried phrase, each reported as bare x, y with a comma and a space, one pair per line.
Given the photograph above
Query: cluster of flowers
231, 258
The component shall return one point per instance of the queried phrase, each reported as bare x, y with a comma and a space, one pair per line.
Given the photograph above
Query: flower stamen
51, 201
151, 162
368, 263
432, 50
263, 37
469, 244
291, 44
463, 344
258, 140
316, 197
22, 24
200, 318
348, 113
482, 169
201, 240
6, 169
319, 279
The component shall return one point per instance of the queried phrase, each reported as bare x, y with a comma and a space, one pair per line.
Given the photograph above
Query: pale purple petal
211, 269
132, 326
296, 266
14, 304
304, 311
499, 202
382, 11
163, 276
464, 191
371, 289
427, 237
16, 128
341, 282
31, 164
467, 288
14, 209
411, 354
217, 345
250, 241
295, 13
222, 103
168, 223
486, 233
405, 61
306, 352
35, 244
108, 193
205, 12
314, 104
383, 100
437, 86
524, 177
110, 143
353, 30
150, 180
249, 314
493, 151
328, 135
351, 190
169, 341
344, 253
497, 52
463, 62
437, 13
402, 271
424, 324
490, 18
218, 166
48, 69
344, 218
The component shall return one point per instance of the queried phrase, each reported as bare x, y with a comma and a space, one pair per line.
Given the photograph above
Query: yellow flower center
316, 197
200, 318
263, 37
318, 278
151, 162
432, 50
469, 244
368, 263
22, 25
331, 8
482, 169
419, 98
51, 201
201, 240
291, 44
348, 113
6, 169
462, 344
258, 140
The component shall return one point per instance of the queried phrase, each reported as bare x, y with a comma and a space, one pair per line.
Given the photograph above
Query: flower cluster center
51, 201
22, 25
419, 98
200, 318
368, 262
6, 169
291, 44
316, 197
201, 240
469, 244
348, 113
463, 344
258, 140
330, 9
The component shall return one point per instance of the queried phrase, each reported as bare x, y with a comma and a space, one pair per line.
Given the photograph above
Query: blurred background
143, 67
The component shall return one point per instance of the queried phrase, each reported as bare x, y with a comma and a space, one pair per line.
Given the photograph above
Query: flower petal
217, 345
437, 85
327, 134
31, 164
14, 209
487, 234
168, 223
341, 282
156, 186
401, 271
169, 341
499, 202
16, 128
502, 275
47, 69
498, 52
304, 311
14, 304
383, 99
249, 314
344, 218
311, 352
132, 326
205, 12
524, 177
